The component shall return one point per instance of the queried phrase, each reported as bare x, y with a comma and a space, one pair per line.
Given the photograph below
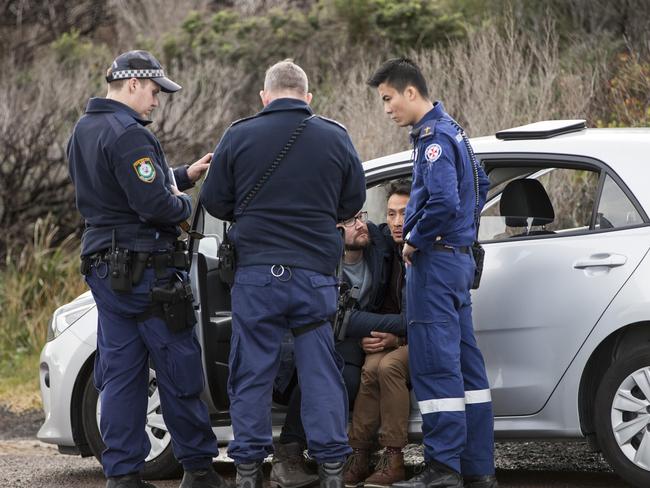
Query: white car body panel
64, 357
527, 337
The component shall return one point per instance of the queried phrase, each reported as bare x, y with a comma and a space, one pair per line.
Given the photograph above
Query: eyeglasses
361, 217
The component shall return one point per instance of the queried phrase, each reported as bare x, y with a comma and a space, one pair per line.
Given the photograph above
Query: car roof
625, 151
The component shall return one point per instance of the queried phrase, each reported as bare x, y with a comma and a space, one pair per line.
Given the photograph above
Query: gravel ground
26, 462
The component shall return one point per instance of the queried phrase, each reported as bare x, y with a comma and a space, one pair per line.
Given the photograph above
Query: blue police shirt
443, 199
122, 181
292, 221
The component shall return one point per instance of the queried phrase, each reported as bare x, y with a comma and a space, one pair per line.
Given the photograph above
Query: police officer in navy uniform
132, 207
287, 248
447, 368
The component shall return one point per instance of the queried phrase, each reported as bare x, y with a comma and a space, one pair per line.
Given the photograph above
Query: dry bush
37, 110
491, 81
191, 121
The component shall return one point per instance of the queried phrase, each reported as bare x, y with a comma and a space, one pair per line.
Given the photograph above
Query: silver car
562, 314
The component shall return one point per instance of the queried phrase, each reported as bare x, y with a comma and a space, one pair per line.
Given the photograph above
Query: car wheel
160, 463
622, 417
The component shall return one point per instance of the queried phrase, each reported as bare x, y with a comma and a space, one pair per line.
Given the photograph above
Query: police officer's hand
407, 253
198, 168
378, 341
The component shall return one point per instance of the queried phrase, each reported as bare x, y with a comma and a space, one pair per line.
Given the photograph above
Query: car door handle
602, 260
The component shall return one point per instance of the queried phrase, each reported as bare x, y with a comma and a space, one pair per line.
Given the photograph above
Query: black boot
434, 475
249, 475
289, 467
487, 481
203, 478
127, 481
331, 475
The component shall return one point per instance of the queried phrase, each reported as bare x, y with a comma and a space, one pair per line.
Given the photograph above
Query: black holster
479, 256
173, 303
227, 260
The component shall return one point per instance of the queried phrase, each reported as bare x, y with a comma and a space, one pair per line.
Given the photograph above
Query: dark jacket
379, 257
122, 181
292, 221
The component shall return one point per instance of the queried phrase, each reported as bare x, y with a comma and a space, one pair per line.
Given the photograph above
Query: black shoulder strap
274, 165
474, 161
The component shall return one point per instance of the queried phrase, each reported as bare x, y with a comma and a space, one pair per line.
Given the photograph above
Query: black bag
226, 252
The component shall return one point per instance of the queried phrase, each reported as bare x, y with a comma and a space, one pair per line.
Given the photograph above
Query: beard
359, 243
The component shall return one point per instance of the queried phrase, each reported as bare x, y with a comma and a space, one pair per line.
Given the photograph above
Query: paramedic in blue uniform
447, 368
131, 205
287, 249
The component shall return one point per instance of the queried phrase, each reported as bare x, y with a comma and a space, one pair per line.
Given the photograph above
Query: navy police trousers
447, 368
266, 301
124, 348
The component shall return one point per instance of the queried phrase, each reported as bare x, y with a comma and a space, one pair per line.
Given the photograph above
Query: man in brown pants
383, 400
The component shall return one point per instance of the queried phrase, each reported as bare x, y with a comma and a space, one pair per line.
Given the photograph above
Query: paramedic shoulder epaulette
428, 129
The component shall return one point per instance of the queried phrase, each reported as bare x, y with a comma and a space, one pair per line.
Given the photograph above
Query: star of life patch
145, 169
433, 152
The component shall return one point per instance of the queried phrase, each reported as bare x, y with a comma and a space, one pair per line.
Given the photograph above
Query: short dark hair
400, 73
115, 84
398, 187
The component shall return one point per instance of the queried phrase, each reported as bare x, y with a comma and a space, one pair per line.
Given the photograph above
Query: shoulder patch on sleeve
433, 152
332, 121
145, 169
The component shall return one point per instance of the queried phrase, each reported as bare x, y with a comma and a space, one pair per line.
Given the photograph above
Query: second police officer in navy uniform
287, 249
447, 368
132, 208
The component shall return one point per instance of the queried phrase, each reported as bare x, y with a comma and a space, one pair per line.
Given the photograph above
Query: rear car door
546, 281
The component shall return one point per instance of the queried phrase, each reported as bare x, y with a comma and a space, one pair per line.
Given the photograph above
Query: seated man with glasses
367, 265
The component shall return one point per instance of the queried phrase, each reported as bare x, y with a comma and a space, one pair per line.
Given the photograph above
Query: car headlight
68, 314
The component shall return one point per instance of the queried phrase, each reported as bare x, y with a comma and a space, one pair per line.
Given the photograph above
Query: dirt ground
26, 462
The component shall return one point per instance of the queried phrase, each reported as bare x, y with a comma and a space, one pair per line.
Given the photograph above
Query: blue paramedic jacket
443, 199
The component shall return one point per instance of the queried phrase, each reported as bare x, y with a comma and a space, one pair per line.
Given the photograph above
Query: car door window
549, 201
615, 209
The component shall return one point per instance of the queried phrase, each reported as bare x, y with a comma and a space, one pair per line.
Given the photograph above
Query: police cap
141, 64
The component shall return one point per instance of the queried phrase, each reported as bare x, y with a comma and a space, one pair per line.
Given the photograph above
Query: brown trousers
383, 401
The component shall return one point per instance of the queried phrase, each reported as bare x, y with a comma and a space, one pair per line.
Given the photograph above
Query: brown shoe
356, 468
389, 469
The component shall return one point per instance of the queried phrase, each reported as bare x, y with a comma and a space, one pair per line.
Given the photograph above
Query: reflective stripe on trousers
454, 404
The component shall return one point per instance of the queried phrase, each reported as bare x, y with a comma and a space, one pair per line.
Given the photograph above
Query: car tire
161, 463
622, 416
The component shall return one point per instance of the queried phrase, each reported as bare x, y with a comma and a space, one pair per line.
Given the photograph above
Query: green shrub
35, 280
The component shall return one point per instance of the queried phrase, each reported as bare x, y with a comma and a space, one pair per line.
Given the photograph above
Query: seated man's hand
378, 341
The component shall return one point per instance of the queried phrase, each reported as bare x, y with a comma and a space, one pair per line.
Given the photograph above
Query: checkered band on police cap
140, 64
138, 73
